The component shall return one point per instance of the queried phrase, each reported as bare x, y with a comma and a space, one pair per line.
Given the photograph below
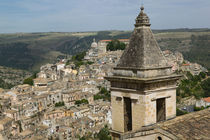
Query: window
159, 138
160, 109
128, 114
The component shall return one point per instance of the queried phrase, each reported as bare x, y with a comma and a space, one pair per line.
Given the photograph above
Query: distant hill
29, 51
200, 50
10, 77
193, 44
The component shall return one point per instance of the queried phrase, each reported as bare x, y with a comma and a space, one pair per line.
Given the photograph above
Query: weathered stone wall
150, 137
170, 103
138, 112
143, 106
142, 73
117, 114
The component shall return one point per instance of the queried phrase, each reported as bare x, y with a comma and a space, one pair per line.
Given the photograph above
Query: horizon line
101, 31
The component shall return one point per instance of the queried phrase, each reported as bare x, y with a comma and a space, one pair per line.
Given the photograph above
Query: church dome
94, 44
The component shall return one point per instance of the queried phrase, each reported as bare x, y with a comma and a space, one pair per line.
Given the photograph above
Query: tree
90, 62
79, 56
180, 112
189, 75
115, 45
103, 90
59, 104
98, 97
5, 85
202, 75
83, 101
198, 108
104, 134
78, 59
82, 138
103, 94
194, 86
29, 81
206, 87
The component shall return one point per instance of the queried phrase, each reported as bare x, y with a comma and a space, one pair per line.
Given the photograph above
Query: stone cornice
141, 69
143, 80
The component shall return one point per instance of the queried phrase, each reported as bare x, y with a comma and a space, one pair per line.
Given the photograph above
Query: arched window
159, 138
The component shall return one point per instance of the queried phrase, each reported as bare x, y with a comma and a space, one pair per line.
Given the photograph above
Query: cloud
86, 15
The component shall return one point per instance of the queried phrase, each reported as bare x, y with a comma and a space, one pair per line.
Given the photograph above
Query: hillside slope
10, 77
29, 51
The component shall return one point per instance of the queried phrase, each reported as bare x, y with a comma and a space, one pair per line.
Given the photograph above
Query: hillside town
63, 103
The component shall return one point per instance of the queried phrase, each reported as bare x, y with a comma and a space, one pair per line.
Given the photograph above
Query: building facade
143, 85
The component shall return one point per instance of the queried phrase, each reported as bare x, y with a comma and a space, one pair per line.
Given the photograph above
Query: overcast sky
97, 15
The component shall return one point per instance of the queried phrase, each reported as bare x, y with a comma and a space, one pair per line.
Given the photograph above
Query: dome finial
94, 40
142, 19
142, 7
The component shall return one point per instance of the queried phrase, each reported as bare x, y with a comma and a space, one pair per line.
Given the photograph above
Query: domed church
92, 53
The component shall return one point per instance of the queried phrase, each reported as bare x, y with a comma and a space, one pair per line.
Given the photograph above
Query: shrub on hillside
115, 45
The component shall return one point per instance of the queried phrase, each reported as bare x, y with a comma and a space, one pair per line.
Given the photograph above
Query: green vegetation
59, 104
103, 134
30, 80
5, 85
78, 60
87, 137
12, 77
173, 44
89, 62
196, 86
200, 108
103, 94
83, 101
206, 87
115, 45
180, 112
78, 64
79, 56
199, 50
68, 62
29, 51
15, 54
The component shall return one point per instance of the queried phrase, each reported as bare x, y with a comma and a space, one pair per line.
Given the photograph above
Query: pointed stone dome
142, 19
143, 53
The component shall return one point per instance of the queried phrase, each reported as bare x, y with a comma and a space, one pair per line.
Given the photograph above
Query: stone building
92, 54
143, 94
69, 97
143, 85
203, 102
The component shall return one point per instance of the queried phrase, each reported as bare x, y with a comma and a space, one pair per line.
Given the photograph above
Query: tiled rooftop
191, 126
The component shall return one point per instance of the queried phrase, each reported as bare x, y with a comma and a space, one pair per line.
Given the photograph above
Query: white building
203, 102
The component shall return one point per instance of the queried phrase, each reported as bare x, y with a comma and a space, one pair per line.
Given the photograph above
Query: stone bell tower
143, 86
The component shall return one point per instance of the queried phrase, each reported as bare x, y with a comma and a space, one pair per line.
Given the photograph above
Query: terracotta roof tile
185, 64
207, 99
191, 126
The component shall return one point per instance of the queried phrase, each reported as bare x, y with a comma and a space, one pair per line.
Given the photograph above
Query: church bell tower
143, 86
